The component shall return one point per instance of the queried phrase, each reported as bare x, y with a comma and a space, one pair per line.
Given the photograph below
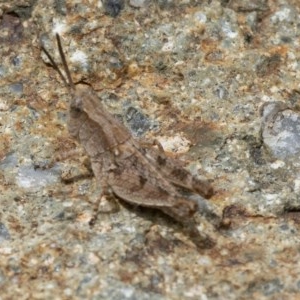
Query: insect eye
76, 109
76, 105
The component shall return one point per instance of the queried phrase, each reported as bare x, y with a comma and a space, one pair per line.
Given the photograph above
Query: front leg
106, 202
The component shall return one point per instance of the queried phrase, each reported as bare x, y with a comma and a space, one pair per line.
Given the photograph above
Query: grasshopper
123, 166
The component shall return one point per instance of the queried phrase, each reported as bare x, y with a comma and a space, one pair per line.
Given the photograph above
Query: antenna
68, 83
64, 61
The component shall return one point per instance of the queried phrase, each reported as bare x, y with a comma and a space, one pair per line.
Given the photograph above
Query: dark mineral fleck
113, 7
4, 233
137, 121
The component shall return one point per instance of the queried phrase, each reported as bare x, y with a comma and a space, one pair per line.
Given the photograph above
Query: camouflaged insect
138, 174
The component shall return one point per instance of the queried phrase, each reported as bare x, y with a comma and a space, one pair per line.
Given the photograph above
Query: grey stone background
217, 83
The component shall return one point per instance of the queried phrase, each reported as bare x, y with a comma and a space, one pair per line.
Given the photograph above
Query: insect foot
121, 164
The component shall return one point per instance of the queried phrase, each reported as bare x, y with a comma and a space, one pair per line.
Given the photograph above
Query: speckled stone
217, 83
281, 130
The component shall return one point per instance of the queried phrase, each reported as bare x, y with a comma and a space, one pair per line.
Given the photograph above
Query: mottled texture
281, 130
221, 75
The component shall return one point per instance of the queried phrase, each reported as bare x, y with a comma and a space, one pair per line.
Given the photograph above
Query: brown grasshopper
122, 165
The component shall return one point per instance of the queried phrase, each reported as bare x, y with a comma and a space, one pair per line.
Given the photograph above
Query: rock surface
217, 82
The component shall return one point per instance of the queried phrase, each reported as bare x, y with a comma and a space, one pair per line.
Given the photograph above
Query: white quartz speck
297, 185
200, 17
177, 143
281, 15
59, 26
80, 57
168, 46
127, 292
277, 164
29, 178
228, 30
